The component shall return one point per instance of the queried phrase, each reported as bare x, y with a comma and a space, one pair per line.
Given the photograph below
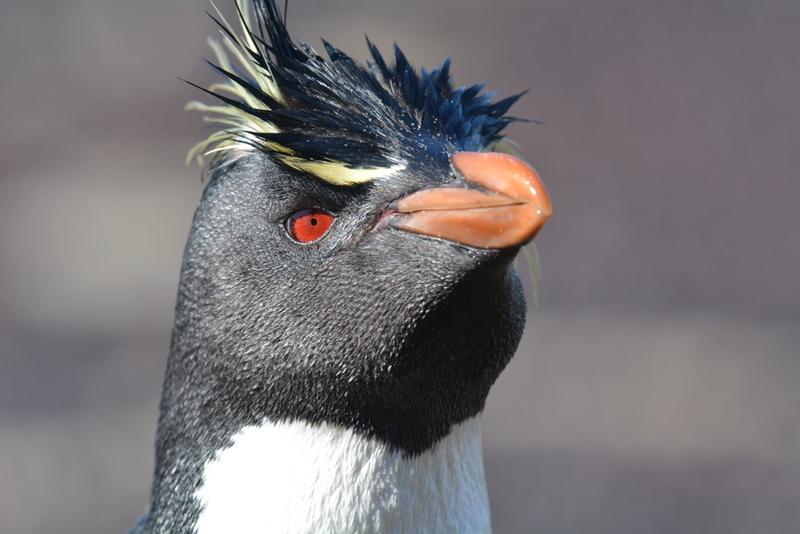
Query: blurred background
657, 389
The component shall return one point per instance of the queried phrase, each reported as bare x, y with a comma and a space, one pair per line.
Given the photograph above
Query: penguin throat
301, 477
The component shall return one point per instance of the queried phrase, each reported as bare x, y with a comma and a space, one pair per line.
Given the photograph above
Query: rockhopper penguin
347, 296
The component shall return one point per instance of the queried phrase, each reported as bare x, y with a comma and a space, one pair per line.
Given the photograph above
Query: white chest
296, 477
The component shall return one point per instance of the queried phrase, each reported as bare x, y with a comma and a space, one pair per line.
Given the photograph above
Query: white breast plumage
303, 478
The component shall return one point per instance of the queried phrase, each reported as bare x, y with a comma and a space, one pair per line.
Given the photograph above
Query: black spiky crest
337, 119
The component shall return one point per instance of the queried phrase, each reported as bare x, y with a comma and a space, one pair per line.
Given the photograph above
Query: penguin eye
308, 225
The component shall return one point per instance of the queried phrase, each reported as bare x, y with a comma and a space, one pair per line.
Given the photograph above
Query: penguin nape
347, 296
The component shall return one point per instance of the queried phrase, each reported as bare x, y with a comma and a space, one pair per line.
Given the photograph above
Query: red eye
309, 225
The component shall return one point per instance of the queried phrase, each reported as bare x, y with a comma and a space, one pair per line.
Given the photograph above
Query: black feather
339, 110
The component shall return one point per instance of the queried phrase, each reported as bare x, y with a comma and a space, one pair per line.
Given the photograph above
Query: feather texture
337, 119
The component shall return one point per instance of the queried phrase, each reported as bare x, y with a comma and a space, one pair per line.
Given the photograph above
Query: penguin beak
507, 210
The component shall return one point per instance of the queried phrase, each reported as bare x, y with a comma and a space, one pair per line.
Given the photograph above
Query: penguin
347, 295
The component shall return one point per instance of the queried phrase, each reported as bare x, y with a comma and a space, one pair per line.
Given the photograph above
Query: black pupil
313, 222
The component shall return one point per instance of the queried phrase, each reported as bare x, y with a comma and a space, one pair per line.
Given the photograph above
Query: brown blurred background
658, 386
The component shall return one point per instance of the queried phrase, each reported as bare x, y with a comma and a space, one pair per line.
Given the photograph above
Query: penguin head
351, 260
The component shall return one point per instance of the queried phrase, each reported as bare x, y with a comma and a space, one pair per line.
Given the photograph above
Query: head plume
339, 120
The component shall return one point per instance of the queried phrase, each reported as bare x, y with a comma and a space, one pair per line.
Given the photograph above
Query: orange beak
513, 207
